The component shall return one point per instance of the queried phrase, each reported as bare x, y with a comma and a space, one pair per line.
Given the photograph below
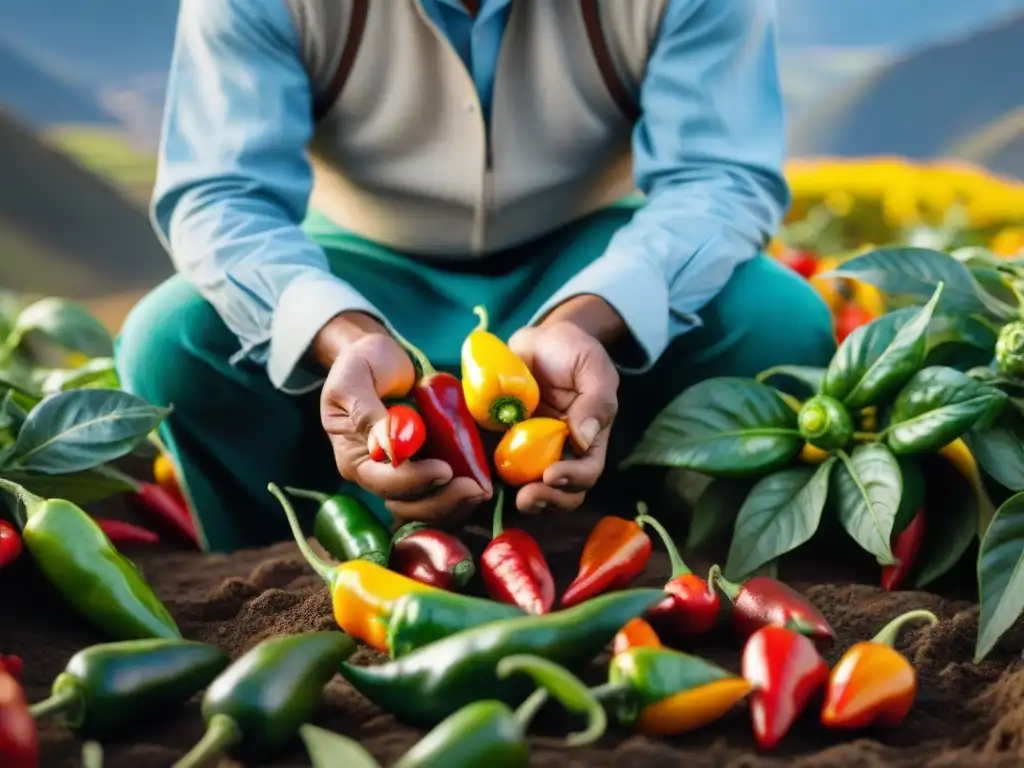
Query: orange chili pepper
499, 388
363, 594
873, 684
636, 634
616, 552
529, 448
165, 475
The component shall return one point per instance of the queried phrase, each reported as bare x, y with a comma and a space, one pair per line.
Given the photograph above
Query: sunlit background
82, 81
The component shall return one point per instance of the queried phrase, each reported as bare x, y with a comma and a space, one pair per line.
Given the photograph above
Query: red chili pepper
851, 317
169, 509
636, 634
804, 263
397, 437
905, 546
765, 602
786, 671
19, 744
452, 433
615, 554
13, 665
431, 556
692, 605
119, 532
10, 543
514, 568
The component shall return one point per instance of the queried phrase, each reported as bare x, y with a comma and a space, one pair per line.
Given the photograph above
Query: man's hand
578, 382
367, 366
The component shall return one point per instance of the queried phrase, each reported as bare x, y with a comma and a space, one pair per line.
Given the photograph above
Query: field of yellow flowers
843, 207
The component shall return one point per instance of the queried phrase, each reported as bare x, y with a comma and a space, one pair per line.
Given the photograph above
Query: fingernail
561, 481
539, 506
588, 431
437, 482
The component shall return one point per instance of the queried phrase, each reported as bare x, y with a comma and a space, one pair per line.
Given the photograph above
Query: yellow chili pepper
529, 448
959, 455
363, 594
873, 684
810, 454
689, 710
165, 475
499, 388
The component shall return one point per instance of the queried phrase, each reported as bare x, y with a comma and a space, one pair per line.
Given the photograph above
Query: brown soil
966, 714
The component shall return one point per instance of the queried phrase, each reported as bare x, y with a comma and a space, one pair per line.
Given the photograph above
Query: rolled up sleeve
233, 184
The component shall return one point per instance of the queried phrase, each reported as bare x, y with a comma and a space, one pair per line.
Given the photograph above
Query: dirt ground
966, 715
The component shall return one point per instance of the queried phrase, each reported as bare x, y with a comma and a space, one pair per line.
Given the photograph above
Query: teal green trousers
231, 432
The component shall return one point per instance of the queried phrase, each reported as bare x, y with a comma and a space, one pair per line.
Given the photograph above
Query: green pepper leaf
332, 750
714, 514
951, 528
98, 373
781, 513
915, 273
877, 359
81, 488
77, 430
65, 324
936, 407
810, 377
999, 450
868, 487
1001, 575
723, 427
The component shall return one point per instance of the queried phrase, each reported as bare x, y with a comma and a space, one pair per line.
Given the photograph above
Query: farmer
334, 169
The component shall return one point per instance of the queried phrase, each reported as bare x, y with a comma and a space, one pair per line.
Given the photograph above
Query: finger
409, 480
597, 403
452, 503
351, 394
580, 474
537, 498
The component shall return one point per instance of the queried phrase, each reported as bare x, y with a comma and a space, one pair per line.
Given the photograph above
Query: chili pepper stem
30, 500
61, 702
529, 708
92, 755
888, 634
679, 568
299, 493
508, 410
425, 366
322, 567
481, 312
716, 579
119, 476
221, 732
497, 526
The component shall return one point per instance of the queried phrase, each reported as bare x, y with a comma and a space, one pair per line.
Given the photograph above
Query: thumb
352, 387
596, 403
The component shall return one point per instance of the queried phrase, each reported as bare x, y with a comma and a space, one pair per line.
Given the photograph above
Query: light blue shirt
233, 181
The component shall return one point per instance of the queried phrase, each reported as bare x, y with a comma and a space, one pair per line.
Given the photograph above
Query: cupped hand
369, 369
578, 383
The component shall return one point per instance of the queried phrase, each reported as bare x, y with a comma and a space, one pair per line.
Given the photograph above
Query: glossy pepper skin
431, 556
397, 437
662, 692
499, 388
107, 688
166, 476
97, 581
170, 508
873, 684
488, 733
257, 704
514, 568
19, 743
10, 543
122, 534
825, 423
528, 449
429, 684
422, 618
692, 605
765, 602
906, 545
363, 594
636, 634
452, 434
1009, 351
346, 527
615, 554
786, 671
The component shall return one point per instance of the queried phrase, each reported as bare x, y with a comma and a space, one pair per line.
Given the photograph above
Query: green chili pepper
431, 683
1010, 350
484, 732
107, 687
347, 529
422, 618
78, 560
258, 703
825, 423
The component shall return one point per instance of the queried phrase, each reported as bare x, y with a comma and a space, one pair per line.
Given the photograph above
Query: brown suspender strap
602, 56
356, 27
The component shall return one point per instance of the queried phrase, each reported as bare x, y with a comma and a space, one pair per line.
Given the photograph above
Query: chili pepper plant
853, 448
981, 332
